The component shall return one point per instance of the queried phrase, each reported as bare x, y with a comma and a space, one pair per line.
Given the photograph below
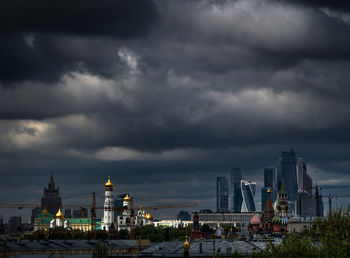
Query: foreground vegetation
329, 237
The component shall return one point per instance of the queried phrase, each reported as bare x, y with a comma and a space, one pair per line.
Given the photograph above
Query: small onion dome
127, 198
268, 190
109, 185
59, 214
149, 216
45, 211
276, 219
186, 246
255, 220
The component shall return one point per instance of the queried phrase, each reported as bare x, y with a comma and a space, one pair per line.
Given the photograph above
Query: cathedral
45, 218
274, 218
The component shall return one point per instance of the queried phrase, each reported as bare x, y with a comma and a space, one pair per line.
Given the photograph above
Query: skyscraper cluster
235, 194
238, 195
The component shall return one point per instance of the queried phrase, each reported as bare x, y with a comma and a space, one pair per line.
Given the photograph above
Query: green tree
328, 237
123, 234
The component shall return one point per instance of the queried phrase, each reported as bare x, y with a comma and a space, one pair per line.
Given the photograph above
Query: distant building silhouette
221, 194
184, 216
270, 182
287, 168
14, 224
2, 226
304, 179
235, 190
248, 193
68, 213
309, 205
51, 199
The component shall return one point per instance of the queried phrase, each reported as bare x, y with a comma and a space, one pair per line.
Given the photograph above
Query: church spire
268, 202
282, 185
51, 183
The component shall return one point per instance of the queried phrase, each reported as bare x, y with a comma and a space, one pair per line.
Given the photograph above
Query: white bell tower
108, 213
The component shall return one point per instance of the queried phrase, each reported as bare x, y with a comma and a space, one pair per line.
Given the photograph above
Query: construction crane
36, 205
330, 196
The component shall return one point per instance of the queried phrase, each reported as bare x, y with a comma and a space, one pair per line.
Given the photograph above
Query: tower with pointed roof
267, 214
281, 205
108, 212
125, 220
51, 199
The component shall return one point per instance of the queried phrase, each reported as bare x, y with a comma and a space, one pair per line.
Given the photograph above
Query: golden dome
186, 246
268, 190
127, 198
59, 214
149, 216
109, 185
45, 211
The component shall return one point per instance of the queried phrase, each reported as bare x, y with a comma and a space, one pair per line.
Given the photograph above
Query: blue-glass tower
235, 190
270, 182
287, 168
221, 194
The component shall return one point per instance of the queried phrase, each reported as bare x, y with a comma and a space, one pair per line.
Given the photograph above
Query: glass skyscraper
221, 194
304, 179
287, 168
248, 194
270, 177
235, 190
270, 182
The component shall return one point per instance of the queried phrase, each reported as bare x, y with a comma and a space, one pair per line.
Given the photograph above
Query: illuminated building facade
108, 211
248, 196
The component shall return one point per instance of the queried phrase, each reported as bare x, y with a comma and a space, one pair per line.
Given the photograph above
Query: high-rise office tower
270, 177
221, 194
309, 205
270, 182
51, 199
235, 190
304, 179
287, 168
248, 194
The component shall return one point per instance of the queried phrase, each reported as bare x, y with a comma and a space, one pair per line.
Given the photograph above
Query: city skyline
165, 96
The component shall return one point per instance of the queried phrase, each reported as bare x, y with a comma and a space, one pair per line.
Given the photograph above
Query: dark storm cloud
341, 5
124, 19
40, 39
198, 88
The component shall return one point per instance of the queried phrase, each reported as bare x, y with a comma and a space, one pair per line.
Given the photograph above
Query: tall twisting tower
108, 214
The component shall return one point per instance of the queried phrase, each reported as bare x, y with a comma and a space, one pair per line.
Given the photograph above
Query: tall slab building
235, 199
287, 169
270, 182
51, 199
304, 179
221, 194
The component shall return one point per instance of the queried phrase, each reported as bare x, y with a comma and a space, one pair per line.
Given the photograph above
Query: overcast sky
164, 96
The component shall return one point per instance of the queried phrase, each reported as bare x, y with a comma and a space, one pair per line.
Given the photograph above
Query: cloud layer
164, 94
